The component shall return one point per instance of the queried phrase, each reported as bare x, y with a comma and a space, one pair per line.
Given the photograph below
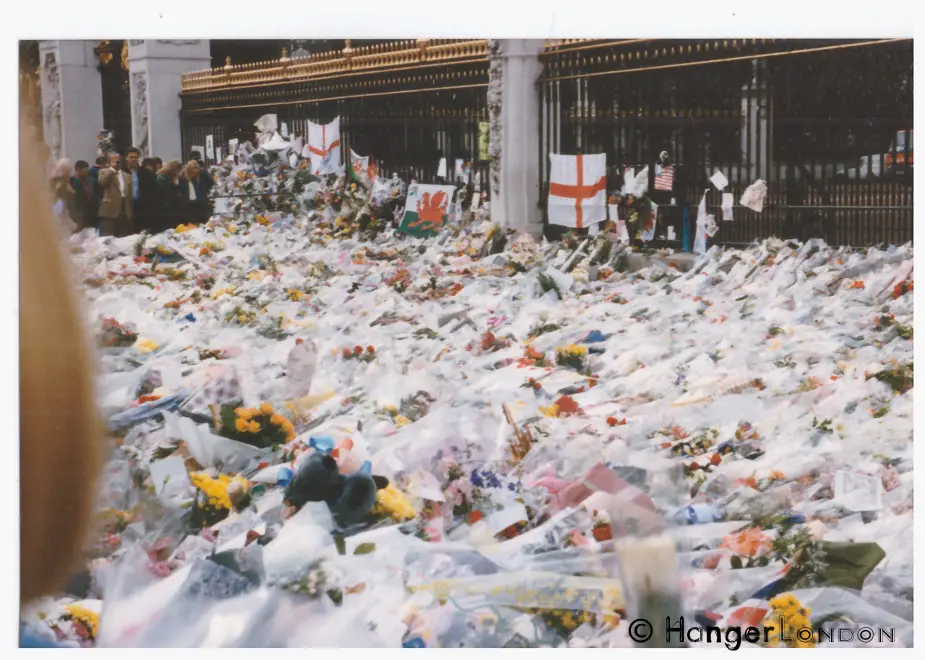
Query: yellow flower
146, 345
253, 427
550, 411
266, 408
242, 424
181, 229
242, 319
295, 295
393, 503
216, 490
245, 413
255, 275
277, 419
87, 617
789, 617
401, 420
233, 229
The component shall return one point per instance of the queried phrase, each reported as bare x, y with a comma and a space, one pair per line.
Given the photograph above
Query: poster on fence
484, 133
426, 209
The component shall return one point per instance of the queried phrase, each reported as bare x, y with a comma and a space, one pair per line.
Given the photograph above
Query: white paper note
858, 492
711, 226
728, 201
284, 129
210, 148
671, 234
218, 154
623, 234
719, 180
441, 169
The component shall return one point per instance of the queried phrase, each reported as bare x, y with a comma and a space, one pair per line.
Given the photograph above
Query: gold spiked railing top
396, 54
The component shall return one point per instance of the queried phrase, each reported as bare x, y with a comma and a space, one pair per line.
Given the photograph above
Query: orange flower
347, 352
357, 350
747, 543
568, 406
370, 350
602, 533
474, 517
857, 284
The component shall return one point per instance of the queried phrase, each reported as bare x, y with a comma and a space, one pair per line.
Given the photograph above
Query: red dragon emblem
430, 211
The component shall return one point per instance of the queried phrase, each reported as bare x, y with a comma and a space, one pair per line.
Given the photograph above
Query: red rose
602, 533
474, 517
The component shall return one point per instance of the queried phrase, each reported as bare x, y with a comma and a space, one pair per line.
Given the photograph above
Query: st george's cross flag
577, 190
323, 147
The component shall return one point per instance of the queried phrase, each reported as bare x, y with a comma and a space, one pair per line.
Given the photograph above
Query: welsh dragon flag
426, 209
577, 190
323, 147
358, 167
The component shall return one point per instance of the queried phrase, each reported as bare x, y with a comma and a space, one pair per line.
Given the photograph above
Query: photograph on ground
442, 343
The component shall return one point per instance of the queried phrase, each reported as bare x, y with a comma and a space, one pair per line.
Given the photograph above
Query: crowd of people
122, 196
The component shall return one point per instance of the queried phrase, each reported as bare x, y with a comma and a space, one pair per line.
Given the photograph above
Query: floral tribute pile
333, 435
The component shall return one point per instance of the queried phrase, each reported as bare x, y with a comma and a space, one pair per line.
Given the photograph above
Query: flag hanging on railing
577, 189
359, 165
664, 177
323, 146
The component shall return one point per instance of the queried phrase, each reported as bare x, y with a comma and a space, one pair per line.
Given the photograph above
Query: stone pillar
155, 68
72, 98
514, 106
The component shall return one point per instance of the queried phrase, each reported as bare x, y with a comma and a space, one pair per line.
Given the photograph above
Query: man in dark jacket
86, 200
146, 195
195, 185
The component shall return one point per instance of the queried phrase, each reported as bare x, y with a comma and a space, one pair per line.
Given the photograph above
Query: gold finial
285, 57
227, 62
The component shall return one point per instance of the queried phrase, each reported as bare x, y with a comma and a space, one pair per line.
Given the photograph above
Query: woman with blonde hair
62, 190
61, 441
169, 200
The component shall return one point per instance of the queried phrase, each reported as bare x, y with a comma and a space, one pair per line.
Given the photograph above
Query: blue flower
511, 487
476, 480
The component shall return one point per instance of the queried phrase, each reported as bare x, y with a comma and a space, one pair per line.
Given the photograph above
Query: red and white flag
577, 190
323, 146
664, 178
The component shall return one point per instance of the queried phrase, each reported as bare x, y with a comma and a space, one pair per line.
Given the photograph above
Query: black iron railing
834, 147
